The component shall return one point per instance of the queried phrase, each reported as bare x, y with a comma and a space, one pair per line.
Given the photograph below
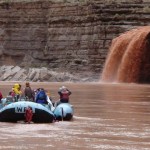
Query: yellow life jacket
16, 89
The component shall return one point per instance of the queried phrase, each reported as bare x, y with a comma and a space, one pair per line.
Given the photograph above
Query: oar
50, 104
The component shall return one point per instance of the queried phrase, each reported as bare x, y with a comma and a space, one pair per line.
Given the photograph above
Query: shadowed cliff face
129, 57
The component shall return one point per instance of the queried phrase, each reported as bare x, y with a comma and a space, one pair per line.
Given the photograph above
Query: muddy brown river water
106, 117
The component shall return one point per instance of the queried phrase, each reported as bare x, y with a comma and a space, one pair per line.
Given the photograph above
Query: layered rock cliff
70, 38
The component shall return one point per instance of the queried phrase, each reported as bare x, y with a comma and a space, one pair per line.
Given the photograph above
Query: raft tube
63, 111
14, 112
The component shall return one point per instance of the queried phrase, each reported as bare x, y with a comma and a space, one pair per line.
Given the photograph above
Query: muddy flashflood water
106, 117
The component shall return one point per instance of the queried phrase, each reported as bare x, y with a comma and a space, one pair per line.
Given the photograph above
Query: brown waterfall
129, 58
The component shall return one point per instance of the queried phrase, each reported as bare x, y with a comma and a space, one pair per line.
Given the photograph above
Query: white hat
63, 87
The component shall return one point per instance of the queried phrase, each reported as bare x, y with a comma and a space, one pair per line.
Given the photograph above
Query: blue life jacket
41, 97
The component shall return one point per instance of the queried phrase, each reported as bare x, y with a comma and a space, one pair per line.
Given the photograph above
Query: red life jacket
65, 95
1, 96
28, 115
12, 94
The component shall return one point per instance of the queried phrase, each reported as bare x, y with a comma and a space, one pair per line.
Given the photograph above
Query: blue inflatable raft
64, 111
15, 111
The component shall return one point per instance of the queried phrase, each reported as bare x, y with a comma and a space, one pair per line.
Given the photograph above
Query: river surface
106, 117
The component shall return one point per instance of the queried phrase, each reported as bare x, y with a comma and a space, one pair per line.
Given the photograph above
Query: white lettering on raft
22, 109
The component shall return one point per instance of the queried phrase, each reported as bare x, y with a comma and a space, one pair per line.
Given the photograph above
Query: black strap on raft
62, 112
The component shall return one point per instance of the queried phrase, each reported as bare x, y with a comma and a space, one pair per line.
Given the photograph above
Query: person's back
41, 97
64, 95
28, 92
17, 89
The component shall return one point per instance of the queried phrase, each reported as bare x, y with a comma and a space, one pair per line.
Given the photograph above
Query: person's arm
59, 92
36, 98
69, 92
24, 93
33, 94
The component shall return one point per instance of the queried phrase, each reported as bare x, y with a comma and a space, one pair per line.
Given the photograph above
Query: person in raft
17, 90
28, 92
64, 95
41, 97
12, 92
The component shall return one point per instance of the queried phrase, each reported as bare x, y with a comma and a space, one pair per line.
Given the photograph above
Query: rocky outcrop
15, 73
63, 36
